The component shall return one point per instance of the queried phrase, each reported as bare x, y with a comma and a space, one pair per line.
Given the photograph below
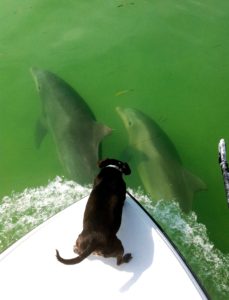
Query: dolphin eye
38, 87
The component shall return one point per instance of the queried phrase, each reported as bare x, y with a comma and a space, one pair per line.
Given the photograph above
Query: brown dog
102, 216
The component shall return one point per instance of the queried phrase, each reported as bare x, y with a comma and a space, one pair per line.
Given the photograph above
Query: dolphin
72, 125
158, 162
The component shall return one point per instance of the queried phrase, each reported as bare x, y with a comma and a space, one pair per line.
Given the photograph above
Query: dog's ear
126, 169
103, 163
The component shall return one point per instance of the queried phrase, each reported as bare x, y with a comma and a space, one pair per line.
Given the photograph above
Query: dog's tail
77, 259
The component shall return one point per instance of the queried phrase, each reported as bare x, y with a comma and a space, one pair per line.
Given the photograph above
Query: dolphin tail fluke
40, 133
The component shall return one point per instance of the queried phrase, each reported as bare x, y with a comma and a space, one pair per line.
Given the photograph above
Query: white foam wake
209, 264
21, 212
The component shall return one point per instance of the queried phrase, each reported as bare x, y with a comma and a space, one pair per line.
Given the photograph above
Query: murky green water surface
167, 58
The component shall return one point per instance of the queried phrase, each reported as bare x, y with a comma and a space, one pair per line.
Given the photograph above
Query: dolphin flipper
126, 154
194, 182
129, 153
40, 132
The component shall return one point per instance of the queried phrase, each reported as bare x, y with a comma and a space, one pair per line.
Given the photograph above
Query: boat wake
21, 212
209, 264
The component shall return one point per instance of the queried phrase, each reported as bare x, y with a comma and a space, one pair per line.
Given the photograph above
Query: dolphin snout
34, 71
119, 110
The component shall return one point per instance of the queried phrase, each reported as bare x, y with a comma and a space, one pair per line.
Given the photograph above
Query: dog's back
104, 206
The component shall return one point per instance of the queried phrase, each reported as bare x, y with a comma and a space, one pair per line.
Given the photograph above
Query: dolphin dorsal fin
101, 131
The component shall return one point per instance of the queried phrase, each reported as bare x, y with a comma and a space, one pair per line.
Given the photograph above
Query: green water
167, 58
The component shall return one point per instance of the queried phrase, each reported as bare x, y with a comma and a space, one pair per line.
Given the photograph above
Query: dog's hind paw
127, 257
124, 259
75, 249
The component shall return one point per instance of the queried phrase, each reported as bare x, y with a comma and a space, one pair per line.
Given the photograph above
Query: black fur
102, 216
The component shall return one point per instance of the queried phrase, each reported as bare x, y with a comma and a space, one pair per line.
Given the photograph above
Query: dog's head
123, 167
